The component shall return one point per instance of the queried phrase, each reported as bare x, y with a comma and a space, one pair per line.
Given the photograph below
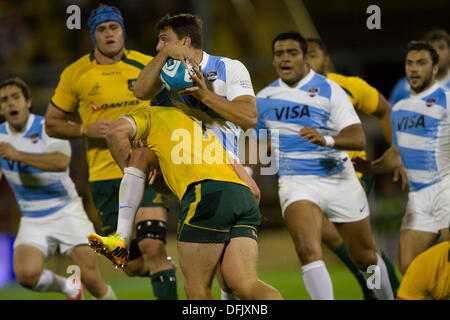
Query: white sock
317, 281
227, 295
51, 282
110, 295
130, 196
385, 292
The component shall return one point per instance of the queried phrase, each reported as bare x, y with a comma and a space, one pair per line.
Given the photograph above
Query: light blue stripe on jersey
216, 64
3, 128
439, 98
16, 166
42, 213
292, 112
45, 192
414, 186
418, 159
317, 82
414, 123
322, 167
295, 143
36, 127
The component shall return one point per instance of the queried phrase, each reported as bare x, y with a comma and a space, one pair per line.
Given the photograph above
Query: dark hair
16, 81
422, 45
437, 35
291, 35
319, 43
183, 24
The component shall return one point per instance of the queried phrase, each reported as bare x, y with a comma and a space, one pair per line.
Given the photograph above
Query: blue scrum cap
103, 14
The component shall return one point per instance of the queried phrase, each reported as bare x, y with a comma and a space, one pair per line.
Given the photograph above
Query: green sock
164, 285
342, 253
395, 283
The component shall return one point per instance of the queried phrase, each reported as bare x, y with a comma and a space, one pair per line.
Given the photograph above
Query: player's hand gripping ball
175, 76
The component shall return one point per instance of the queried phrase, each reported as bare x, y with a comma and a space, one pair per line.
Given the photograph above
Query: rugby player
315, 120
222, 98
53, 217
100, 87
440, 40
428, 275
421, 142
368, 100
219, 216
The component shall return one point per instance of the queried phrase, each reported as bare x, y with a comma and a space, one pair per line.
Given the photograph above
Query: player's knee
308, 250
364, 258
151, 238
152, 249
28, 278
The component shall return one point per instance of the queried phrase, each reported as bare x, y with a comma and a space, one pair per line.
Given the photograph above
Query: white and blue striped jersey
229, 79
38, 193
315, 102
421, 131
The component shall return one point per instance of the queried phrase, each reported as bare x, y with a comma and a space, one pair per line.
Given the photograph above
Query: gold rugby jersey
100, 92
187, 152
428, 275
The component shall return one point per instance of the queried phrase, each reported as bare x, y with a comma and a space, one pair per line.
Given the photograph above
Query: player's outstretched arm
349, 138
54, 161
118, 139
57, 125
385, 164
383, 113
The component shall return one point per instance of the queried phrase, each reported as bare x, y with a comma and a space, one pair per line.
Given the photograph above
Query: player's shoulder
349, 81
138, 56
77, 68
269, 89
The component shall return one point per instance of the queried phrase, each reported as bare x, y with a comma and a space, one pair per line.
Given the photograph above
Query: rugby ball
175, 76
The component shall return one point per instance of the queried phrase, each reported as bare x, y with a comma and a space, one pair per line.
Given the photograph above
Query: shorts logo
313, 92
254, 234
94, 90
131, 84
430, 102
212, 75
34, 137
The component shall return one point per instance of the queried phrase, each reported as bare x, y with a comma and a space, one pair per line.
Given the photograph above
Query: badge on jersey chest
34, 137
131, 83
312, 92
212, 75
430, 102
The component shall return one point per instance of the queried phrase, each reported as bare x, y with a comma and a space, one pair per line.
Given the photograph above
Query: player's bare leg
239, 269
90, 274
412, 243
152, 243
304, 222
30, 273
198, 262
364, 253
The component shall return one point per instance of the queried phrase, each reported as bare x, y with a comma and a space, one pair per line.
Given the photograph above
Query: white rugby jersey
38, 193
421, 131
315, 102
229, 79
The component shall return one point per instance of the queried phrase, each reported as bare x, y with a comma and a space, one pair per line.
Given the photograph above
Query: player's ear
186, 41
28, 103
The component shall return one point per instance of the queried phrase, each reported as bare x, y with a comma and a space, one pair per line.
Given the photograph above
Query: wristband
329, 141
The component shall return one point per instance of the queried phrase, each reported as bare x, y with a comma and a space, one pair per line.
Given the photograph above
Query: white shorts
64, 229
340, 196
428, 209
